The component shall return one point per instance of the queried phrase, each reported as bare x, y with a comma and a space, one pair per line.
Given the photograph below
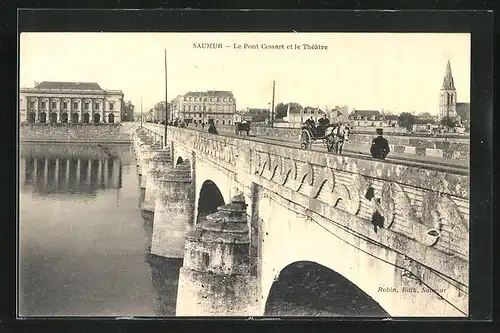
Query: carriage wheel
305, 140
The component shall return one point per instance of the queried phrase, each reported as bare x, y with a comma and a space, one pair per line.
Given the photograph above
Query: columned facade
70, 102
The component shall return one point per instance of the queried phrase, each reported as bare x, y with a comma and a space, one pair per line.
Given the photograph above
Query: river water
82, 241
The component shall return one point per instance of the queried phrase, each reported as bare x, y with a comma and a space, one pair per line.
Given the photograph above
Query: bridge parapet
423, 204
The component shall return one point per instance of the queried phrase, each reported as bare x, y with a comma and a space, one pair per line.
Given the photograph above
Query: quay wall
74, 133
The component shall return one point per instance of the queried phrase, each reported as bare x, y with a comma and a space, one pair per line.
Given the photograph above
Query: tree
406, 119
448, 122
280, 110
295, 107
127, 111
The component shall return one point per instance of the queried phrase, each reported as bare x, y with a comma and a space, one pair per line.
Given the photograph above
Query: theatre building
69, 102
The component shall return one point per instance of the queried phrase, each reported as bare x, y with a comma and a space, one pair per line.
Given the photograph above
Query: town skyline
395, 72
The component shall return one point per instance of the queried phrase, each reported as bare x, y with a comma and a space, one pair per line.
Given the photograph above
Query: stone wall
76, 150
105, 133
444, 146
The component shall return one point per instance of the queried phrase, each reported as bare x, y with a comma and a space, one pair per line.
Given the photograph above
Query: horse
243, 126
337, 137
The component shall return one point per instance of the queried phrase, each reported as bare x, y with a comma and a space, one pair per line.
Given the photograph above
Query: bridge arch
209, 199
306, 288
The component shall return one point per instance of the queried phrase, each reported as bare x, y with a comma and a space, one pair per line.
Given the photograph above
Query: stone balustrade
414, 201
444, 146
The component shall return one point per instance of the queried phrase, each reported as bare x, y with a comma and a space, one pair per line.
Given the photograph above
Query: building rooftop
366, 113
68, 85
255, 111
217, 93
309, 109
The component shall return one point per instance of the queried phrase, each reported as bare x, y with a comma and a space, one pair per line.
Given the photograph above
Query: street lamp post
272, 112
166, 103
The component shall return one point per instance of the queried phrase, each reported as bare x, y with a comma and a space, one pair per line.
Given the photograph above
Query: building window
32, 104
43, 105
111, 106
223, 122
54, 105
75, 105
65, 105
97, 106
86, 106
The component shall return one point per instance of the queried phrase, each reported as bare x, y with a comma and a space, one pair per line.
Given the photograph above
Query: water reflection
82, 242
71, 175
165, 277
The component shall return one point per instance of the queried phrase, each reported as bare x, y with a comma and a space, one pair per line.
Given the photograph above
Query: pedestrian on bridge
380, 147
212, 129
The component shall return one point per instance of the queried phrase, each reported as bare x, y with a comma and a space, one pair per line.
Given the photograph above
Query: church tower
448, 96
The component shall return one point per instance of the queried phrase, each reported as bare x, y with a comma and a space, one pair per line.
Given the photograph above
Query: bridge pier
144, 146
141, 155
215, 279
156, 164
147, 153
174, 209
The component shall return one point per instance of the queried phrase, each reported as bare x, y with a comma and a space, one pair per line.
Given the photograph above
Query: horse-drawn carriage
242, 124
333, 136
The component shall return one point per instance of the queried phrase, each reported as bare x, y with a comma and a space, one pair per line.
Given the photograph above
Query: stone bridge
256, 222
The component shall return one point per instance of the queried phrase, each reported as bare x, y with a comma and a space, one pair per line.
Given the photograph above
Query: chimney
36, 83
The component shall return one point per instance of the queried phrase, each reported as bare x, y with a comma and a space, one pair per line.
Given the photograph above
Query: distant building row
203, 106
70, 102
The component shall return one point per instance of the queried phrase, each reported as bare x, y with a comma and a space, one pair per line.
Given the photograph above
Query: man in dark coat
380, 147
310, 121
212, 129
322, 123
324, 120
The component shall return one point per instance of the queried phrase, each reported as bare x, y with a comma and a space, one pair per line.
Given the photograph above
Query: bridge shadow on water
309, 289
165, 278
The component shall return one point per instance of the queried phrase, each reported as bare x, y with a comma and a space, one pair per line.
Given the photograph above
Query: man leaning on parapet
380, 147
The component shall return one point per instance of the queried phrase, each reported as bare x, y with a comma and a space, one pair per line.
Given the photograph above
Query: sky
399, 72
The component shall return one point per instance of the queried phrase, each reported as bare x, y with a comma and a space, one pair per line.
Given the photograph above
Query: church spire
448, 83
